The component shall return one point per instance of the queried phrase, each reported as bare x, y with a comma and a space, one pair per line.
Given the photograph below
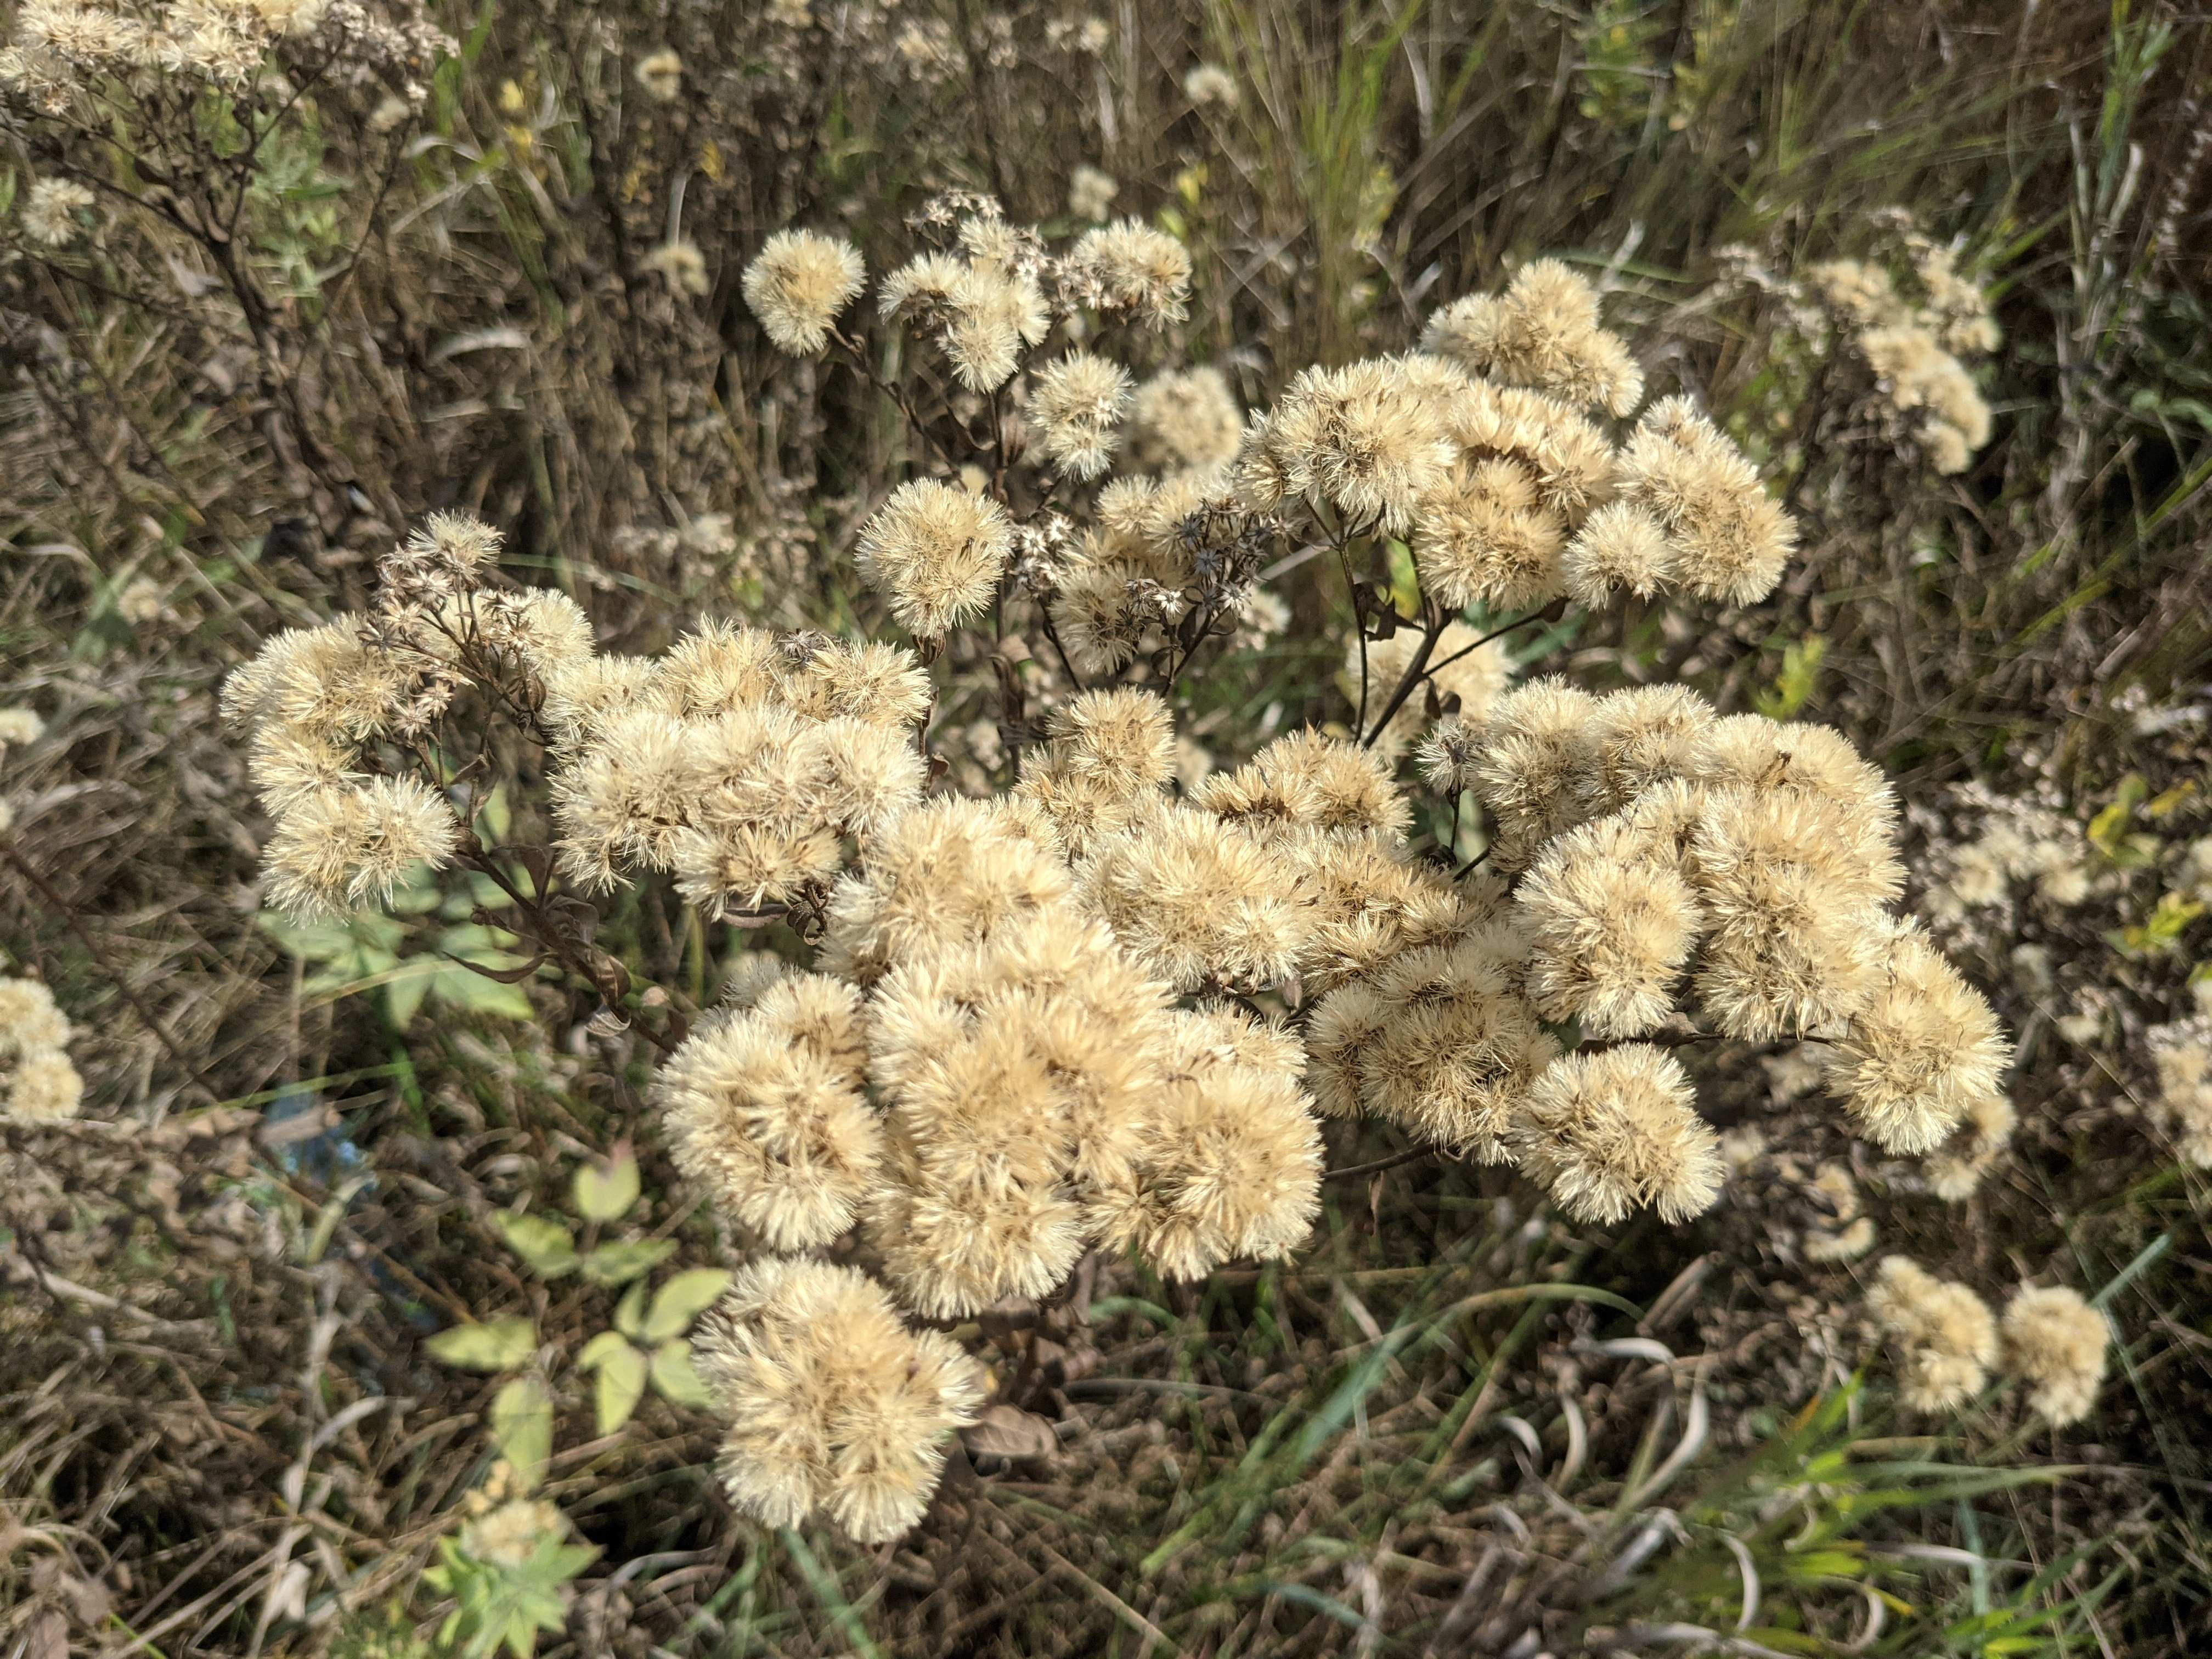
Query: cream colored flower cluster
1947, 1342
37, 1081
1915, 346
736, 762
1480, 449
2182, 1053
66, 55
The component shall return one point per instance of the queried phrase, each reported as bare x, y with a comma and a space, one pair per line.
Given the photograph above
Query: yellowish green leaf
619, 1263
676, 1379
604, 1191
494, 1345
680, 1301
543, 1245
522, 1423
621, 1375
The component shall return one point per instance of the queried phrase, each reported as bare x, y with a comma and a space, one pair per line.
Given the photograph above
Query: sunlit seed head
1197, 900
1186, 418
43, 1086
1611, 930
1124, 739
339, 848
834, 1407
1620, 548
1076, 404
1130, 267
935, 553
1614, 1130
1923, 1050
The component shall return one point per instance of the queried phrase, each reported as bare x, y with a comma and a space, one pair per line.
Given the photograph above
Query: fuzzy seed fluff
798, 285
1614, 1130
834, 1406
1944, 1336
935, 553
765, 1112
2056, 1342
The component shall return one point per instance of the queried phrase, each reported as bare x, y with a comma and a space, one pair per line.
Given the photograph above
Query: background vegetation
229, 1422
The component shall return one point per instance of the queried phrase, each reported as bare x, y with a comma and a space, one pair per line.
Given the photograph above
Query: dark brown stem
548, 939
1416, 670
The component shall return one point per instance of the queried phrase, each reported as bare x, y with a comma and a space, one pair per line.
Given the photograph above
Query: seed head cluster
1945, 1342
65, 57
1914, 346
1106, 1007
38, 1083
836, 1406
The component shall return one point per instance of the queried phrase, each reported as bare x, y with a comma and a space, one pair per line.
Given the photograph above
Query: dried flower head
1620, 548
42, 1087
661, 75
1732, 539
1362, 438
1184, 418
1130, 267
834, 1406
1076, 404
946, 874
1614, 1130
1437, 1040
1923, 1049
2056, 1342
342, 846
1123, 739
935, 553
798, 285
29, 1021
1537, 766
1091, 193
765, 1111
1209, 86
1230, 1163
50, 211
19, 727
1543, 334
1944, 1336
1310, 780
1199, 901
680, 262
1610, 927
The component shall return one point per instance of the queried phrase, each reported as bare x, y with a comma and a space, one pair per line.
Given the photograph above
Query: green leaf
629, 1312
596, 1350
522, 1423
604, 1192
2110, 826
1799, 679
674, 1376
544, 1246
458, 988
494, 1345
415, 893
682, 1300
621, 1386
404, 991
617, 1264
